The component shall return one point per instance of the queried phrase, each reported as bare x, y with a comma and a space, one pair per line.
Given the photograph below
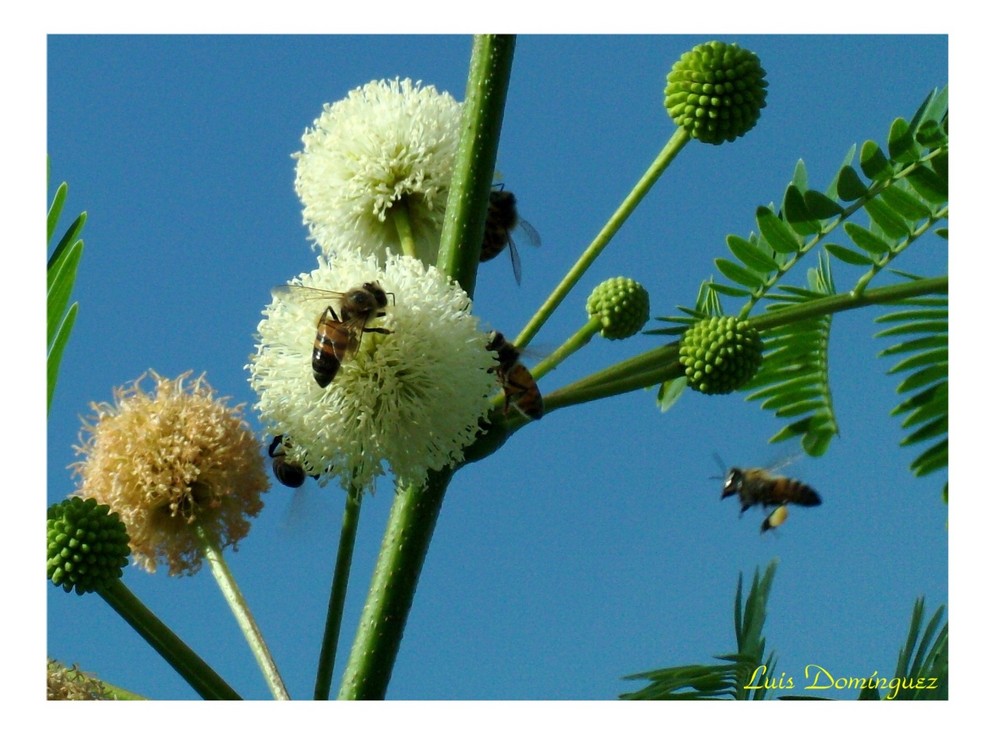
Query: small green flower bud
621, 304
87, 545
720, 354
716, 92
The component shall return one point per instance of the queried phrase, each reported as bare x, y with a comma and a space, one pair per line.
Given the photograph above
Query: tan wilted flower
169, 460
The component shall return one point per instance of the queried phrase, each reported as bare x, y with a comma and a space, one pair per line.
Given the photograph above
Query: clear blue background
593, 544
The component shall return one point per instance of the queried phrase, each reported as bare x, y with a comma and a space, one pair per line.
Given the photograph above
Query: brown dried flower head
168, 460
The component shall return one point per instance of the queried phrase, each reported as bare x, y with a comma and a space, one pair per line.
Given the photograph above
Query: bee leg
376, 330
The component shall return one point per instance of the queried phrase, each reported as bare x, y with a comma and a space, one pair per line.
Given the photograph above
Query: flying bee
338, 337
287, 472
519, 388
759, 486
502, 219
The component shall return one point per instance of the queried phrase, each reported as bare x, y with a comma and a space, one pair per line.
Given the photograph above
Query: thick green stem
415, 510
475, 162
407, 536
238, 605
338, 591
663, 363
646, 182
182, 659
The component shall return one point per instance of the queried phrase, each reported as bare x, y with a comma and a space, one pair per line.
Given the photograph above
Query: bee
759, 486
519, 387
288, 473
501, 219
338, 337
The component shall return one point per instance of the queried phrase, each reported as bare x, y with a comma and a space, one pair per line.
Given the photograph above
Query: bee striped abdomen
333, 341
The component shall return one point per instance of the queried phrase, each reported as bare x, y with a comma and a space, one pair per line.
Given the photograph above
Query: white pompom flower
388, 145
408, 401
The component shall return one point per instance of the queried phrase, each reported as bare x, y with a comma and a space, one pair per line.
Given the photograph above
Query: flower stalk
238, 605
400, 214
591, 253
579, 340
338, 592
171, 648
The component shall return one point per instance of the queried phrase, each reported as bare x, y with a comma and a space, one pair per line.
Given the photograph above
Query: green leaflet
867, 240
874, 163
56, 348
924, 657
795, 210
728, 679
61, 275
751, 254
922, 358
890, 222
777, 233
850, 186
848, 255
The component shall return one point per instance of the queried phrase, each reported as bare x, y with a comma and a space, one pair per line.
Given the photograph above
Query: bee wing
515, 259
530, 233
784, 463
305, 292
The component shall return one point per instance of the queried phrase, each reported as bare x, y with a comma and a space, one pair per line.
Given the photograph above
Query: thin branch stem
238, 605
646, 182
338, 592
171, 648
571, 345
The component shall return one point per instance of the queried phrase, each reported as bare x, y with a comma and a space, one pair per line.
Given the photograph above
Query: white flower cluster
389, 144
408, 397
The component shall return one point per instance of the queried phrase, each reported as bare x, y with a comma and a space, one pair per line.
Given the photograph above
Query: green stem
665, 157
171, 648
415, 509
338, 591
407, 536
663, 363
400, 213
238, 605
571, 345
475, 161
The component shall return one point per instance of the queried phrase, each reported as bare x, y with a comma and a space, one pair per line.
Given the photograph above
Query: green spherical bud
720, 354
716, 92
87, 545
621, 304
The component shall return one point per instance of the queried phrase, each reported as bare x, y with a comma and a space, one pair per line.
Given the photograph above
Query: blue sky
593, 544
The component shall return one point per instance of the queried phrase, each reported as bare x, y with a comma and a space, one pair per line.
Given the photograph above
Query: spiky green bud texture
720, 354
716, 92
87, 545
621, 304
